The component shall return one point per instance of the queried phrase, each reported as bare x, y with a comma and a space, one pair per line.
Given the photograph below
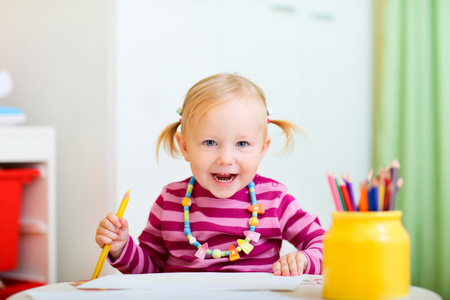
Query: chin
223, 195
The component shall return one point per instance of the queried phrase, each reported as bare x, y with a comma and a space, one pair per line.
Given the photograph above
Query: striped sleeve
303, 230
150, 255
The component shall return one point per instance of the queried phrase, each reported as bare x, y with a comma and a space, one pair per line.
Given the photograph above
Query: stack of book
11, 116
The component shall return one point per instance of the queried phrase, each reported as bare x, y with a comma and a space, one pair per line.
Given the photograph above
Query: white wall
312, 58
57, 53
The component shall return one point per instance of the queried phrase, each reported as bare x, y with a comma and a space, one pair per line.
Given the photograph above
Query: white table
307, 290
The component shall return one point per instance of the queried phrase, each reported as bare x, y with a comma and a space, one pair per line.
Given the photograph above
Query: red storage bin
11, 186
14, 286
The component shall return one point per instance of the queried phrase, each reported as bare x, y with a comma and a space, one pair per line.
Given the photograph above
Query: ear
265, 147
182, 145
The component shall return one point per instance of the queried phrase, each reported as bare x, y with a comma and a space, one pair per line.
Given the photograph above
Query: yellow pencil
105, 251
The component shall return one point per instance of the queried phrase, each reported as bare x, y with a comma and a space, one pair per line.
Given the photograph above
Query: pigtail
167, 139
289, 129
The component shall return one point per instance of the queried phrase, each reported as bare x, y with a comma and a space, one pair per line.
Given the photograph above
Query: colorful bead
217, 253
246, 247
258, 208
253, 221
233, 253
201, 252
192, 240
186, 202
254, 236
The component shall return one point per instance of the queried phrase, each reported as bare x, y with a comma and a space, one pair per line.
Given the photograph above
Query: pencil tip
395, 164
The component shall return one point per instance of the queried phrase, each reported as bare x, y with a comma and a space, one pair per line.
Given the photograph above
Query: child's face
226, 147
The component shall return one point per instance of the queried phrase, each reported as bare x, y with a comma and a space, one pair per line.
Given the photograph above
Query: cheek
200, 161
252, 162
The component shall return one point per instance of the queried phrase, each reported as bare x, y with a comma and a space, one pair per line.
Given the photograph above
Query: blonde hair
206, 94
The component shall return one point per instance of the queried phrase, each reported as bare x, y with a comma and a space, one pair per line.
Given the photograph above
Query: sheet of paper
151, 294
196, 281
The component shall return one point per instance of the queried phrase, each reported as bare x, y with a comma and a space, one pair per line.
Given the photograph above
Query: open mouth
224, 178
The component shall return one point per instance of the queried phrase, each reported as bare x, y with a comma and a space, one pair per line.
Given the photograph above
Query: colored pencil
400, 182
346, 196
394, 166
387, 189
363, 199
370, 198
348, 183
381, 188
369, 176
105, 251
334, 191
344, 208
375, 198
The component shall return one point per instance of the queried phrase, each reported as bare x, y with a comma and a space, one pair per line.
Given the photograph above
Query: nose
225, 157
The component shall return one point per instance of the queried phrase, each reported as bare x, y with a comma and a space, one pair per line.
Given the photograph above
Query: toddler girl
225, 217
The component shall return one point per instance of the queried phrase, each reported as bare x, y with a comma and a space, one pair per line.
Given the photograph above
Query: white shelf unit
34, 146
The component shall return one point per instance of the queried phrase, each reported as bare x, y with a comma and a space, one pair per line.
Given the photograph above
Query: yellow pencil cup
366, 256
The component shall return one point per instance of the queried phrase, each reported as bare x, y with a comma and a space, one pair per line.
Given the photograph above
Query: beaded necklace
243, 245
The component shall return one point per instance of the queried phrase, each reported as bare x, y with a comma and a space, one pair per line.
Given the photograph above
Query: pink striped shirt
163, 246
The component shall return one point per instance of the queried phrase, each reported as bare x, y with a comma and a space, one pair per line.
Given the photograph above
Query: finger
284, 266
276, 268
99, 241
124, 228
113, 220
292, 264
301, 263
123, 223
107, 236
103, 240
106, 225
112, 217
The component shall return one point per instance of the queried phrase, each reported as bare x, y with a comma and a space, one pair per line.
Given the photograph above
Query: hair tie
179, 112
270, 111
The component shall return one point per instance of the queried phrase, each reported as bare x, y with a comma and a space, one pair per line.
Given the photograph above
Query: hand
291, 264
114, 232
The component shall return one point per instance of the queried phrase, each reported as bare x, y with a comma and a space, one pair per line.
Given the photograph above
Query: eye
241, 144
210, 143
